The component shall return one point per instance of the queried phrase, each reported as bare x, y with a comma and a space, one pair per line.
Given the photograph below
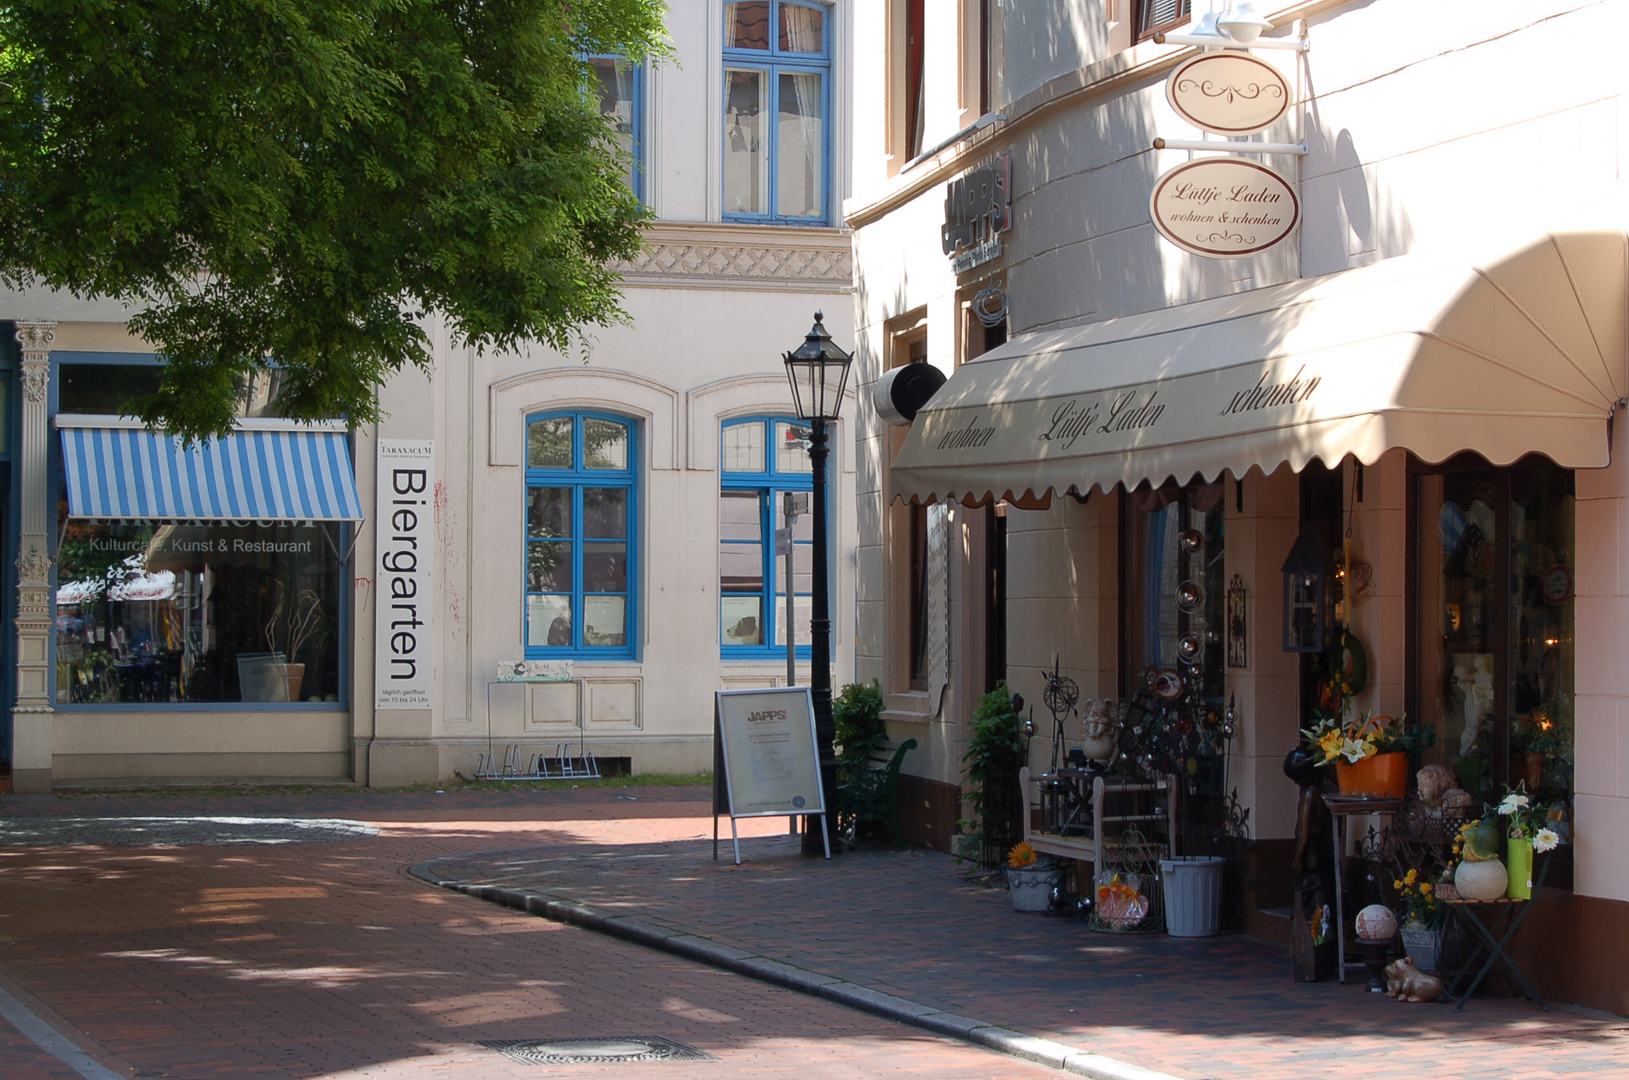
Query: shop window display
206, 612
1495, 656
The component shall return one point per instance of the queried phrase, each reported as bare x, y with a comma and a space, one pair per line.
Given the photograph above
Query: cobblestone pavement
305, 960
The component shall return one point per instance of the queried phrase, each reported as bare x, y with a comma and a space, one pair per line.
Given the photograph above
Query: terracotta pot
1383, 775
1485, 880
1531, 765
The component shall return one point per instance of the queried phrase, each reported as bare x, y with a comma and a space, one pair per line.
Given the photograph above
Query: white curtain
802, 148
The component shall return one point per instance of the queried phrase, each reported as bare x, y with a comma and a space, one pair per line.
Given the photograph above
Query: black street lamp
817, 370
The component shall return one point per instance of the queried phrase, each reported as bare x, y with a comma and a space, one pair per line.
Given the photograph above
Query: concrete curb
778, 972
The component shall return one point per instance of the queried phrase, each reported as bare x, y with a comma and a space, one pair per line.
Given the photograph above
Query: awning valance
288, 474
1524, 354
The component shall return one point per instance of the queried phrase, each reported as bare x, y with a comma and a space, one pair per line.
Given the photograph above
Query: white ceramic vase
1485, 880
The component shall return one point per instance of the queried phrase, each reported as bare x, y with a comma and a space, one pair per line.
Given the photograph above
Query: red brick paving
166, 960
327, 960
910, 924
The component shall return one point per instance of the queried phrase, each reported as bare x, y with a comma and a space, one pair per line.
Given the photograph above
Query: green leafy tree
298, 182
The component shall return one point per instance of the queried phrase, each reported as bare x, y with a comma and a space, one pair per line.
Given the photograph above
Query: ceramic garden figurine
1405, 982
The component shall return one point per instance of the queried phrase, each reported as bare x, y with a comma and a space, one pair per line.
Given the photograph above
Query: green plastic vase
1519, 862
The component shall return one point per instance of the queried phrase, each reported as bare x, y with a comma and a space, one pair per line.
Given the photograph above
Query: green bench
868, 790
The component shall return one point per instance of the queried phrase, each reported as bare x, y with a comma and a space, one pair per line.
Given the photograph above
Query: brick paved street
327, 959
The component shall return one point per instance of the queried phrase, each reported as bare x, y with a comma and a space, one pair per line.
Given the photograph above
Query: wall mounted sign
404, 524
1228, 93
978, 209
1224, 207
1237, 655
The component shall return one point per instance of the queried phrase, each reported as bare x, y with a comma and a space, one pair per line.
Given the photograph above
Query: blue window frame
581, 536
619, 88
761, 459
777, 97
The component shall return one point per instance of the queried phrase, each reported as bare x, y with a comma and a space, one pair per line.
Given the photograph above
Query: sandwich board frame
765, 750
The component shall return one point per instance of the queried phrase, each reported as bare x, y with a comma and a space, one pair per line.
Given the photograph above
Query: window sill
912, 707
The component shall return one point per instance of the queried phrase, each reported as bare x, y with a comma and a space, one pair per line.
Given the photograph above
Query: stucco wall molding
579, 387
715, 256
707, 406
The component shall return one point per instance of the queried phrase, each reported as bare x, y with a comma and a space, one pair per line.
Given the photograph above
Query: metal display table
1341, 809
1492, 925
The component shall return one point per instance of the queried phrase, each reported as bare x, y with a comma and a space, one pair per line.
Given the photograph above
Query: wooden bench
1110, 817
868, 790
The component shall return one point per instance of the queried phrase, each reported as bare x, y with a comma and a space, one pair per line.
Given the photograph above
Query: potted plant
856, 714
298, 622
995, 752
1422, 917
1527, 832
1370, 753
1536, 740
1030, 878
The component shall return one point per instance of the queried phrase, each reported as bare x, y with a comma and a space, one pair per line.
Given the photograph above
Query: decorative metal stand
1128, 895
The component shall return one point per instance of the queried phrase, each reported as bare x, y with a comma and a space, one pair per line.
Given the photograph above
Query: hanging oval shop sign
1228, 93
1224, 207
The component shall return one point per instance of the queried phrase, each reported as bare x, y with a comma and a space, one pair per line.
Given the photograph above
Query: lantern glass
818, 373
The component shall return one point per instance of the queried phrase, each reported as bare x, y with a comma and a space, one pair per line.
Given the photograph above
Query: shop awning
284, 473
1520, 355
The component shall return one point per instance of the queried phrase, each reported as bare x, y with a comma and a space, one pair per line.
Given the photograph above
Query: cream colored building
1446, 330
612, 508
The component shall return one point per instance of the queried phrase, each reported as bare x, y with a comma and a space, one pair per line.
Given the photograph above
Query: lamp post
818, 370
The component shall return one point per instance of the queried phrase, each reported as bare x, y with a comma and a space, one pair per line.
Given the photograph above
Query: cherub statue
1100, 732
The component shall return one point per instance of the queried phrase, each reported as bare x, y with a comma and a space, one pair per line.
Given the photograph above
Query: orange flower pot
1381, 775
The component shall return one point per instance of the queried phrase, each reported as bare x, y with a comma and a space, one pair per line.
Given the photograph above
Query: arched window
762, 459
581, 547
777, 68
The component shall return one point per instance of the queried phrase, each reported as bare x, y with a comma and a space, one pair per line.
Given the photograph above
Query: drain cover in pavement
610, 1050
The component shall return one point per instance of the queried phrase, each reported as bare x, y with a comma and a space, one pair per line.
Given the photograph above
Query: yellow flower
1425, 890
1412, 876
1398, 885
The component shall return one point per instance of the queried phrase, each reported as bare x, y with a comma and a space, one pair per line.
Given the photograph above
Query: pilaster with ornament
34, 541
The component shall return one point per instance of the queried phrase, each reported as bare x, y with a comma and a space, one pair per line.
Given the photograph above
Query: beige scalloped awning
1525, 354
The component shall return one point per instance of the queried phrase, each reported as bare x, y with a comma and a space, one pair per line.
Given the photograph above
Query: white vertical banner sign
404, 523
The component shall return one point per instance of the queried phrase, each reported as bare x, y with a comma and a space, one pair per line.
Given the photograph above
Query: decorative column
31, 747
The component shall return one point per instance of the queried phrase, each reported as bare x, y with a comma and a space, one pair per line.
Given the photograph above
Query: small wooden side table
1341, 809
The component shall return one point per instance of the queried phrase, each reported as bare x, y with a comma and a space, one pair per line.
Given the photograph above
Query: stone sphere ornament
1483, 880
1376, 923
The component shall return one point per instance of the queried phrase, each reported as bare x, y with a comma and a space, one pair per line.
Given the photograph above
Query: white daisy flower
1546, 840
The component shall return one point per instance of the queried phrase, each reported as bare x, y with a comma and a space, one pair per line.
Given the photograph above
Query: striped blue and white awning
286, 474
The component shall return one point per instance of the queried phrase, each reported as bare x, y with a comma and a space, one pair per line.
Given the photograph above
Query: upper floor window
763, 459
620, 88
777, 67
581, 486
1156, 15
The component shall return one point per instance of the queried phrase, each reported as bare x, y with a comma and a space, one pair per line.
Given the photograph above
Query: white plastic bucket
1193, 894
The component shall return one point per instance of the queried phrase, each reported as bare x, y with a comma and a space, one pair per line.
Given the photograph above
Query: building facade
332, 604
1423, 377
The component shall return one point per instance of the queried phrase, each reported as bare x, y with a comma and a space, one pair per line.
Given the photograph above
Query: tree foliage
299, 182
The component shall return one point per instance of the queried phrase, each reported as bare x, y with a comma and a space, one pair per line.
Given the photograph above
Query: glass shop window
1495, 654
197, 612
104, 389
1173, 592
